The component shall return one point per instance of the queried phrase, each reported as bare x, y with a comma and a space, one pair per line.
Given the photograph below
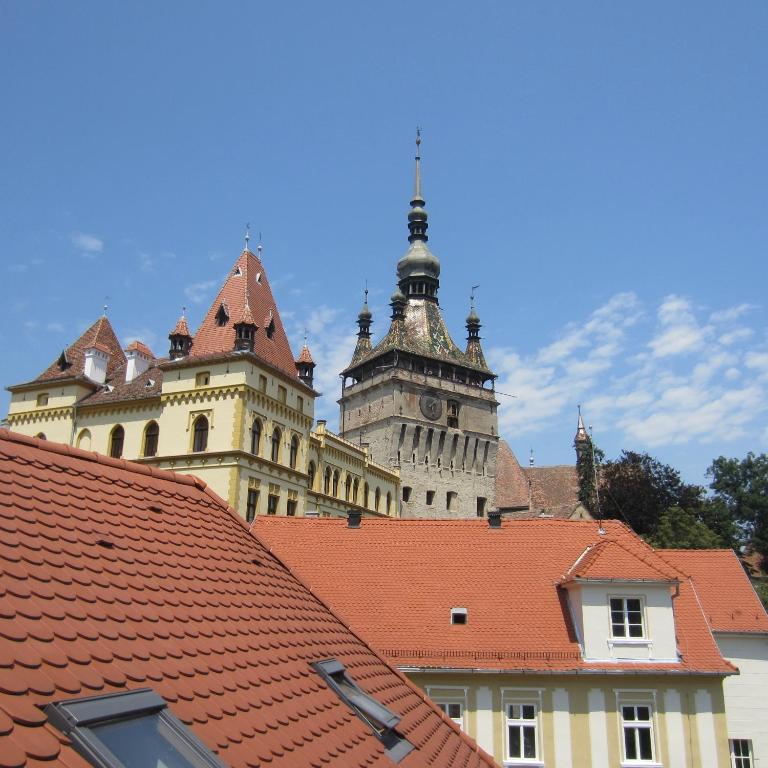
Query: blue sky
599, 168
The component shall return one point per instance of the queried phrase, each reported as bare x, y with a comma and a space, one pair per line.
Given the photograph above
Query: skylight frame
376, 716
78, 718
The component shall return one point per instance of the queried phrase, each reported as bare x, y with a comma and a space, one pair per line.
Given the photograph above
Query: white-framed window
454, 710
627, 621
637, 727
452, 701
522, 727
741, 753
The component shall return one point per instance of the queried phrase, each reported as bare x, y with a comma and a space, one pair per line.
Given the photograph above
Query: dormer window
237, 272
63, 361
627, 617
459, 615
221, 316
270, 331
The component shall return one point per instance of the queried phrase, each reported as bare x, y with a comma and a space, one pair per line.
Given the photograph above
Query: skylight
376, 716
132, 728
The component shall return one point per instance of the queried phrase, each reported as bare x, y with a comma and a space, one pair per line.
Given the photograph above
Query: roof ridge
129, 466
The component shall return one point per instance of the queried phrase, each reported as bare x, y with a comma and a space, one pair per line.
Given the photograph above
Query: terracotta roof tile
246, 283
99, 335
506, 578
116, 389
140, 347
305, 356
118, 576
726, 594
626, 560
511, 484
181, 328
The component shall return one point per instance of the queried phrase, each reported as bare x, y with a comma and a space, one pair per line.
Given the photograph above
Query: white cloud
199, 292
54, 327
732, 313
146, 263
680, 332
88, 245
732, 337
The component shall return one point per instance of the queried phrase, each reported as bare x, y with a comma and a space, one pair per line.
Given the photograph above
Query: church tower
416, 400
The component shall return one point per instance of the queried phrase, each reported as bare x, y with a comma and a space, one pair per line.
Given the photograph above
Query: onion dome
398, 302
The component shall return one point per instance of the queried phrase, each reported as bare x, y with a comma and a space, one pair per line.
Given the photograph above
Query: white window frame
638, 698
741, 761
627, 638
446, 696
523, 697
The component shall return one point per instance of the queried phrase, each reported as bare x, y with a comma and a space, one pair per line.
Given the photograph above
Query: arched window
389, 502
365, 495
294, 455
376, 499
256, 437
327, 482
151, 434
84, 439
41, 436
116, 439
200, 442
276, 435
355, 489
311, 476
336, 483
348, 487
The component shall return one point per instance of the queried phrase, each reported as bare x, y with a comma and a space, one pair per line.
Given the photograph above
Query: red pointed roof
181, 328
246, 316
246, 283
305, 356
174, 594
726, 594
505, 577
141, 348
99, 335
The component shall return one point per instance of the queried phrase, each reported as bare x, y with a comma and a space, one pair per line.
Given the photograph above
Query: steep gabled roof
118, 576
141, 348
506, 578
99, 335
246, 284
726, 594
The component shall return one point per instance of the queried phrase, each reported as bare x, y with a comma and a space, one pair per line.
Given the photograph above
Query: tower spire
417, 217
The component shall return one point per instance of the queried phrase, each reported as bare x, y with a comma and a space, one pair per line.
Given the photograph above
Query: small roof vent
459, 615
494, 519
354, 516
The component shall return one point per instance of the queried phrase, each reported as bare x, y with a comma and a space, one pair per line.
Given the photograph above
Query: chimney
494, 519
353, 518
96, 362
138, 358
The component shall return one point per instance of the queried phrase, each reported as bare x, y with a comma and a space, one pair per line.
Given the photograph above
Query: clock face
431, 406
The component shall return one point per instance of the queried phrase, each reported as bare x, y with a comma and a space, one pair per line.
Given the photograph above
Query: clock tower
418, 401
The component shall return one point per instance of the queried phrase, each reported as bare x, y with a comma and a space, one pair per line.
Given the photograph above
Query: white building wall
561, 719
598, 729
705, 726
746, 694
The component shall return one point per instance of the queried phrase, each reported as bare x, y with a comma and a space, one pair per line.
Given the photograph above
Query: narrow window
348, 487
203, 379
116, 440
270, 328
406, 493
327, 482
626, 617
299, 403
253, 504
84, 440
336, 483
637, 725
311, 476
42, 399
741, 753
365, 495
272, 501
377, 499
430, 498
452, 411
522, 725
262, 383
294, 452
276, 436
481, 506
221, 316
290, 507
282, 393
256, 437
450, 500
389, 502
355, 489
200, 442
151, 434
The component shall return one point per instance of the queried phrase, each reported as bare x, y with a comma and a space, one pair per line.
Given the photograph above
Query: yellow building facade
229, 404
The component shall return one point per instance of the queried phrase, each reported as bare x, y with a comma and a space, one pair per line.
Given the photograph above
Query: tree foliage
588, 459
680, 528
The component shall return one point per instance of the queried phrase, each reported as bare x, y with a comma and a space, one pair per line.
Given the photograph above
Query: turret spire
417, 218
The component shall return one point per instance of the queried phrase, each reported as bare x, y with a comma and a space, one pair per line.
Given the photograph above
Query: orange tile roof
99, 335
246, 283
511, 483
142, 348
305, 356
610, 559
506, 578
726, 594
181, 328
118, 576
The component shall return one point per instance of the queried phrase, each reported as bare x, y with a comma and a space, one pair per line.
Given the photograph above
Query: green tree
588, 460
638, 489
681, 528
740, 486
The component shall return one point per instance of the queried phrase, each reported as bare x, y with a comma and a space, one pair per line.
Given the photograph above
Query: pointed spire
305, 365
180, 338
581, 432
364, 318
417, 218
247, 236
417, 180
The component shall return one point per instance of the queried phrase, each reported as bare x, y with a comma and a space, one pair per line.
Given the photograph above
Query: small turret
245, 330
364, 319
581, 439
474, 348
180, 338
305, 365
397, 302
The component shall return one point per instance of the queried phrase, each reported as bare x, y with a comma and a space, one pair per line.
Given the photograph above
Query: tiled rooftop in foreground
117, 577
